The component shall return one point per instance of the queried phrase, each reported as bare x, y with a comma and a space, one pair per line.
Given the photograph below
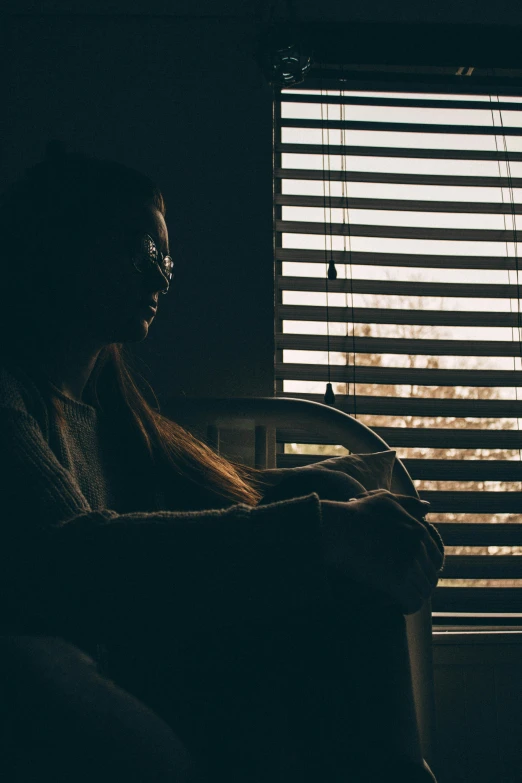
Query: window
410, 181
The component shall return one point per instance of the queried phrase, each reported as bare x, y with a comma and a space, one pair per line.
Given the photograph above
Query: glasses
147, 257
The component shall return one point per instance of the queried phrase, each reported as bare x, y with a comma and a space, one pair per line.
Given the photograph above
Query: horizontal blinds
412, 185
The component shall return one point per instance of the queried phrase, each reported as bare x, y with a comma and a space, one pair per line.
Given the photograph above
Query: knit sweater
79, 559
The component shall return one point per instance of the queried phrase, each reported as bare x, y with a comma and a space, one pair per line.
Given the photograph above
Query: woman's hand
378, 540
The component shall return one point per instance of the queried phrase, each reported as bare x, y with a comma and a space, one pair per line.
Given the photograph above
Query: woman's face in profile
106, 297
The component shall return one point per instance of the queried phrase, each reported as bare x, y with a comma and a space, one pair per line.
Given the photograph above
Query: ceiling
504, 12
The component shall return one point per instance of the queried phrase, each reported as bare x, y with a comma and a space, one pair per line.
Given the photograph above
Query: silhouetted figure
159, 622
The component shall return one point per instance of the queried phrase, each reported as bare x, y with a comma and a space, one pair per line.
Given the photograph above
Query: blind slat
399, 205
465, 470
397, 152
426, 437
373, 315
399, 179
414, 103
471, 502
482, 567
398, 232
403, 127
401, 288
477, 534
477, 599
418, 406
398, 259
451, 438
376, 345
398, 375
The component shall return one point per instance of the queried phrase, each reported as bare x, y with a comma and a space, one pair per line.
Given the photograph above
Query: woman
120, 527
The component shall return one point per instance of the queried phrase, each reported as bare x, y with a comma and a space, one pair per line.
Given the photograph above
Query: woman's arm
67, 568
378, 547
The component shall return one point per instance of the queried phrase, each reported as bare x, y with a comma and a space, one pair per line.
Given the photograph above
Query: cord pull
329, 396
332, 271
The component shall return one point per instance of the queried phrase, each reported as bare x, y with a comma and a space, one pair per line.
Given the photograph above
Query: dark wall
173, 89
183, 101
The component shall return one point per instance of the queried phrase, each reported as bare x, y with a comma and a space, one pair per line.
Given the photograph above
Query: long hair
81, 193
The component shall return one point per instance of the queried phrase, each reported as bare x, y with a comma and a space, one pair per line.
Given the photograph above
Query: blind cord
515, 242
329, 396
347, 236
